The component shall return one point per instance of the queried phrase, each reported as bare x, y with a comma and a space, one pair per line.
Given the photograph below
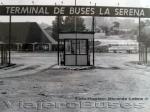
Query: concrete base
73, 67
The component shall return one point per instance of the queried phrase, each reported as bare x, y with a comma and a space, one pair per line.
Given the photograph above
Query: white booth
75, 50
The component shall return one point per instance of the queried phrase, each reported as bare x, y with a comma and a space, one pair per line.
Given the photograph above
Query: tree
116, 24
67, 24
147, 22
55, 34
144, 32
105, 29
115, 27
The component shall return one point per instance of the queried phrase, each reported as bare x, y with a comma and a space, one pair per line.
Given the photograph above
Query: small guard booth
76, 48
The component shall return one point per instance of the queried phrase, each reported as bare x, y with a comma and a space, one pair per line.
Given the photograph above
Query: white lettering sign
82, 11
58, 10
129, 12
76, 10
27, 10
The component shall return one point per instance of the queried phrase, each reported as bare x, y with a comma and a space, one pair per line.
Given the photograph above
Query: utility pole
139, 42
75, 28
9, 43
93, 40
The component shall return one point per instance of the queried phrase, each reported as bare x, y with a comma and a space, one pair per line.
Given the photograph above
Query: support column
21, 45
146, 54
139, 39
143, 53
33, 47
49, 46
2, 54
58, 40
93, 28
139, 52
93, 43
9, 44
18, 46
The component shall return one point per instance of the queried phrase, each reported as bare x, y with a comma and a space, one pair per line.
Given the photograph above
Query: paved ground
29, 63
116, 76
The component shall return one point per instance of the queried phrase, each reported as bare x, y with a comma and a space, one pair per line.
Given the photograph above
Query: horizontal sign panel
74, 36
74, 11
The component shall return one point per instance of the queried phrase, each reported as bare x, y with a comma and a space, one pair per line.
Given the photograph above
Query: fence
4, 54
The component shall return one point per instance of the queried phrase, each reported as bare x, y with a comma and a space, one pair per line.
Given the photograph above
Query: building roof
24, 32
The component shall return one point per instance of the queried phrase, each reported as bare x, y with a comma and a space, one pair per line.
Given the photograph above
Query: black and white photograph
74, 55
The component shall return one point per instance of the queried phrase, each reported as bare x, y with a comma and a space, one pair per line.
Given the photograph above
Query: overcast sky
48, 20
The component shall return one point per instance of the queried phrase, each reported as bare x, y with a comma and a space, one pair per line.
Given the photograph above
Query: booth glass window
83, 47
70, 46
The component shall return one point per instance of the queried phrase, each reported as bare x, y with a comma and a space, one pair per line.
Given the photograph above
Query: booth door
76, 52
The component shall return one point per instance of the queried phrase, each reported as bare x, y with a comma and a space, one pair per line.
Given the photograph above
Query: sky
48, 19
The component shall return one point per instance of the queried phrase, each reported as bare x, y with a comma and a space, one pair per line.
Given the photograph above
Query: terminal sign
75, 11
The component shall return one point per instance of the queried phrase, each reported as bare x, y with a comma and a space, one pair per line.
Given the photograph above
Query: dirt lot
117, 84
